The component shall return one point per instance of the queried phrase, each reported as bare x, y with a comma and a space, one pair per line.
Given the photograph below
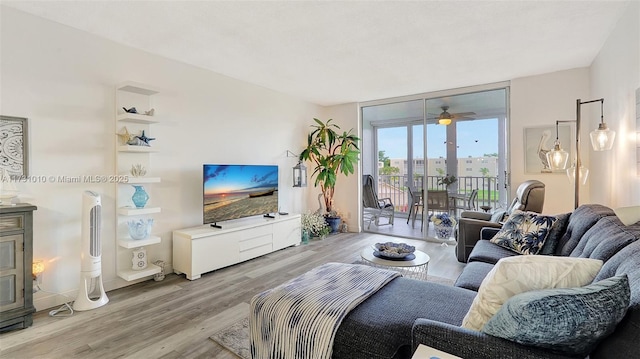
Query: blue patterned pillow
570, 320
524, 232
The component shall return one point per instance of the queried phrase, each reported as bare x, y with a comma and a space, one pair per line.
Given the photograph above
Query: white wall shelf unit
197, 250
130, 211
137, 118
137, 149
142, 180
130, 274
137, 243
140, 96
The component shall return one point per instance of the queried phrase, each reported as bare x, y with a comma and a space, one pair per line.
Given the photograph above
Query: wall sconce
299, 172
601, 140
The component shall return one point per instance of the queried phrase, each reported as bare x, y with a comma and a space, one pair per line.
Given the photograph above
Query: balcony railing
395, 187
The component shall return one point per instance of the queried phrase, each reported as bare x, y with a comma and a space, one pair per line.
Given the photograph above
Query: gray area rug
236, 337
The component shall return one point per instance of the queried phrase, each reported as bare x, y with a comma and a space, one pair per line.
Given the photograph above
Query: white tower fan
91, 293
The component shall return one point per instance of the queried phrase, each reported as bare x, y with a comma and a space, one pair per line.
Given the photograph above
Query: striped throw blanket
299, 318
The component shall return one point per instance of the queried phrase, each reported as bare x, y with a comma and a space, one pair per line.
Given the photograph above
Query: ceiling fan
445, 118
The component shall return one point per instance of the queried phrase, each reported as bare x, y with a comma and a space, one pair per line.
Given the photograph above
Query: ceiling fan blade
463, 114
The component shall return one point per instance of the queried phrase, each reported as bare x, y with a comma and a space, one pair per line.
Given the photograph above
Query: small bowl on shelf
140, 229
394, 250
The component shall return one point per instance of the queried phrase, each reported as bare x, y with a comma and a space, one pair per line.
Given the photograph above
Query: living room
63, 80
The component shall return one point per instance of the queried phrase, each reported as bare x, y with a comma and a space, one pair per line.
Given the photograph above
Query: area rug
235, 338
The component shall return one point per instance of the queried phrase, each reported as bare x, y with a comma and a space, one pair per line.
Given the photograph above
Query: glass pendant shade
584, 173
602, 138
557, 157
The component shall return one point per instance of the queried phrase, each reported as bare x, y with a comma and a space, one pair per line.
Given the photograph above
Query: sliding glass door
409, 150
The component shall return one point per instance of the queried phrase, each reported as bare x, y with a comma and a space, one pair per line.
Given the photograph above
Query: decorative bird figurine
131, 110
150, 112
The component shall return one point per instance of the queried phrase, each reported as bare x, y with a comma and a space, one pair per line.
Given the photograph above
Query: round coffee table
416, 268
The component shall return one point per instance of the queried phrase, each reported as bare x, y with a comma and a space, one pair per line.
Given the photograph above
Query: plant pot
334, 223
443, 232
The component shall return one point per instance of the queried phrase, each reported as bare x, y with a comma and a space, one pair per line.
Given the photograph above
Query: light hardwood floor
174, 318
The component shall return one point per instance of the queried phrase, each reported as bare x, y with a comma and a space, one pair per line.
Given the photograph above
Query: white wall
63, 81
347, 188
615, 76
541, 101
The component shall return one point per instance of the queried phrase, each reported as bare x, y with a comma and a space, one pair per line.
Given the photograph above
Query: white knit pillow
519, 274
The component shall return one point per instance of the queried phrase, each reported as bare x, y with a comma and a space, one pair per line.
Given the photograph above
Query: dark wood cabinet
16, 258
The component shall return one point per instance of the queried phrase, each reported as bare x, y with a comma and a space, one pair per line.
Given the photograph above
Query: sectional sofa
406, 312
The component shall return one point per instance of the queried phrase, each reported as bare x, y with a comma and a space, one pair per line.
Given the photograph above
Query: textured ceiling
330, 52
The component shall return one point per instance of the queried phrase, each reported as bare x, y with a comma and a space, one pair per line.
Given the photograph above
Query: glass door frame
503, 145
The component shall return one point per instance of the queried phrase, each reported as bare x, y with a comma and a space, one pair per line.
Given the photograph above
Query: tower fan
91, 293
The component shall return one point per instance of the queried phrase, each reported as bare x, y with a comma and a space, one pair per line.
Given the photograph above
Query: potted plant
332, 153
447, 181
313, 225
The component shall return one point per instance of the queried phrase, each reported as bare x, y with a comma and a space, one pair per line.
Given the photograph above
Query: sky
475, 138
230, 178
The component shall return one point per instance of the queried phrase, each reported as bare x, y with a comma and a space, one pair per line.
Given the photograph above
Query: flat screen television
237, 191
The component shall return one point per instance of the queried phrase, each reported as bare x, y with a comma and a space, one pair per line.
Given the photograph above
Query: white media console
203, 249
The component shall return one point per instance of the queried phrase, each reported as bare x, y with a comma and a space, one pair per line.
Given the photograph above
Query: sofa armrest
476, 215
467, 343
487, 233
468, 235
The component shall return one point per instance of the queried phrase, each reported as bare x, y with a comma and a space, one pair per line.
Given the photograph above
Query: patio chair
468, 202
437, 201
415, 205
375, 208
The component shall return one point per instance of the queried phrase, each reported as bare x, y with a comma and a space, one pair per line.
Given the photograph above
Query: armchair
375, 208
529, 197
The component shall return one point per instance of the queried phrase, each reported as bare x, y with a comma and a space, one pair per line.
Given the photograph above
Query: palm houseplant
332, 153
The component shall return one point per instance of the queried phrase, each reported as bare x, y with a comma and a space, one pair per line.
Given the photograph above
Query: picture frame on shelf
539, 140
14, 145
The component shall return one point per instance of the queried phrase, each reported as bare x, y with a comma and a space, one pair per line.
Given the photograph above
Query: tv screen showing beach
236, 191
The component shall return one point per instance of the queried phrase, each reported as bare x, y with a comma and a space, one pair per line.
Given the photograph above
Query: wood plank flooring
174, 318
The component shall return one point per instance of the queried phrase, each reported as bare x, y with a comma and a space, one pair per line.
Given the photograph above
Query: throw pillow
515, 275
524, 232
557, 231
498, 216
571, 321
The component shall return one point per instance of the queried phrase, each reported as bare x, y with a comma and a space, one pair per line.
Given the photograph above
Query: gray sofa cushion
604, 239
488, 252
473, 274
539, 318
579, 223
381, 325
555, 234
623, 343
